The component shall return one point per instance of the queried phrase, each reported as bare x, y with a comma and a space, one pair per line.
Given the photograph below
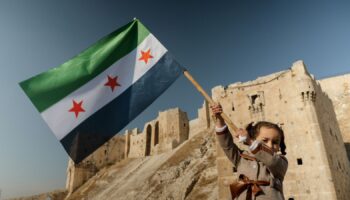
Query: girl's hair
253, 131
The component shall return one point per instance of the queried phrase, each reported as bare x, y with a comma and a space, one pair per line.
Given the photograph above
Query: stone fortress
166, 132
314, 115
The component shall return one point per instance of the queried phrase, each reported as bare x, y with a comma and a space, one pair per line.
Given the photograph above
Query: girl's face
270, 137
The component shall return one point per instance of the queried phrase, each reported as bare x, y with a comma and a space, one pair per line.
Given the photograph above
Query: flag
90, 98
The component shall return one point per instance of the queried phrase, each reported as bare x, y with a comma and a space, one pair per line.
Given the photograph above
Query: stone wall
111, 152
338, 89
333, 143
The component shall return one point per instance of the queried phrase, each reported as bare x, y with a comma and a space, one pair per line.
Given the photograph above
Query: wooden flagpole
230, 124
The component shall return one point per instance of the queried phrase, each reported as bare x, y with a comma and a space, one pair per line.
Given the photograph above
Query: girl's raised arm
224, 137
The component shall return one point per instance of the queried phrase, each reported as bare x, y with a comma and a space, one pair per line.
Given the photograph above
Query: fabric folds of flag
90, 98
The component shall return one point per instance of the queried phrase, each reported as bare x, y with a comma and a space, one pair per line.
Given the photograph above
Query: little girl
260, 170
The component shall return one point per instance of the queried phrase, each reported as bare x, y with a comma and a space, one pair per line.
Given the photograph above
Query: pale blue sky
220, 42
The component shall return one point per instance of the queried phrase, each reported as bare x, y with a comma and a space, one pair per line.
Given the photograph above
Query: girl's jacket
260, 170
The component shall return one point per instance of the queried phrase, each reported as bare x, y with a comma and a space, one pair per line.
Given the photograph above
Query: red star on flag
77, 108
146, 55
112, 82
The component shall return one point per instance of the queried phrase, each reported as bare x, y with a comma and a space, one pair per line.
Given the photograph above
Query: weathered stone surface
338, 89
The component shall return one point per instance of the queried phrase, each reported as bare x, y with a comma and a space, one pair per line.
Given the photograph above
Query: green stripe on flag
49, 87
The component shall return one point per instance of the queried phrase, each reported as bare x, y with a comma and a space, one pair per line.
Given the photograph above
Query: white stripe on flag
95, 94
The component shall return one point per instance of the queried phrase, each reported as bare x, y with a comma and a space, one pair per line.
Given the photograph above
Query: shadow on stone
347, 147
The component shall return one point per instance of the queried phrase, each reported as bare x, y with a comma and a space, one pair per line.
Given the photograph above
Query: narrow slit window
300, 161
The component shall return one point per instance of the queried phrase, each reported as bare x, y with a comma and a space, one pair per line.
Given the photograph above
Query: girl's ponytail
250, 129
282, 144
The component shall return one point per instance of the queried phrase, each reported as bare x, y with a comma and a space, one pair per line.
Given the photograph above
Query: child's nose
269, 144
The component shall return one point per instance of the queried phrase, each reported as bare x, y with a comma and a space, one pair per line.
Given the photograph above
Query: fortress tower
164, 133
318, 165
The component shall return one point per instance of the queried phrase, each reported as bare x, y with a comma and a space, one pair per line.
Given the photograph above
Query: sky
219, 42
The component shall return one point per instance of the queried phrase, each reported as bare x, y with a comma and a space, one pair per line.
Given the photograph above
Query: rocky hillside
54, 195
187, 172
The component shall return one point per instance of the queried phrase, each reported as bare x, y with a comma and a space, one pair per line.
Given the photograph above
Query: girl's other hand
242, 133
